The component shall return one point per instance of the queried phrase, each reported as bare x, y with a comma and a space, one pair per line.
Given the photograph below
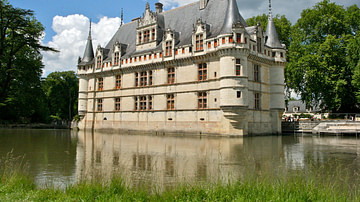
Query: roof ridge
180, 7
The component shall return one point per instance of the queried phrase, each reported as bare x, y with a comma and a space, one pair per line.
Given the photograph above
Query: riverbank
295, 188
35, 126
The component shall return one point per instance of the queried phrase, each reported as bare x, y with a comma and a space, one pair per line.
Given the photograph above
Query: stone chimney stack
159, 7
203, 4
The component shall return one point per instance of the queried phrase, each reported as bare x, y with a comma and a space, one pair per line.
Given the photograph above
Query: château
194, 69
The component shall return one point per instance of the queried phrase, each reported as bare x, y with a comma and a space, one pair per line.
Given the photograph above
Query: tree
319, 67
20, 62
61, 89
282, 25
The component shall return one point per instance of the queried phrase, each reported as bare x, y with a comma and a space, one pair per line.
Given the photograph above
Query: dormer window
139, 38
116, 58
98, 65
238, 38
199, 42
146, 36
200, 32
168, 48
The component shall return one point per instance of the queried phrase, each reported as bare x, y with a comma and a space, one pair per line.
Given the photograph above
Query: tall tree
282, 25
318, 67
20, 59
61, 89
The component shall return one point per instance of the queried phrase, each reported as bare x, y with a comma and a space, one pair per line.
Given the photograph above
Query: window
100, 84
136, 103
168, 48
223, 40
142, 103
199, 42
183, 50
209, 45
150, 78
139, 37
146, 36
231, 40
136, 79
256, 72
238, 94
170, 101
98, 65
202, 100
171, 75
99, 105
116, 58
202, 72
153, 35
118, 82
238, 67
150, 102
143, 78
215, 43
238, 38
117, 104
257, 101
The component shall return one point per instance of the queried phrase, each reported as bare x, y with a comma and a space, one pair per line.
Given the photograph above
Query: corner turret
272, 38
232, 16
89, 52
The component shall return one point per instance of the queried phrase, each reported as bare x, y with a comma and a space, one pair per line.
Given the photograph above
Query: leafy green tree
319, 67
61, 89
282, 25
20, 64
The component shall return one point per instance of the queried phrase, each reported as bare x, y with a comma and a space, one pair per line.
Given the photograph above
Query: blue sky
66, 21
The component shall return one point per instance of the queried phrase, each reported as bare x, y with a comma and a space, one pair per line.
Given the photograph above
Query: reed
300, 185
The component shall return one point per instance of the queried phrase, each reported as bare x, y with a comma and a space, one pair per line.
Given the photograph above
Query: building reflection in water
165, 161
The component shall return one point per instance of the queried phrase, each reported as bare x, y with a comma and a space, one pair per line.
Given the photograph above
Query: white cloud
175, 3
70, 37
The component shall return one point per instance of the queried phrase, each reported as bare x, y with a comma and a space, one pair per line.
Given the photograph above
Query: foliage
322, 62
61, 89
295, 187
21, 97
282, 25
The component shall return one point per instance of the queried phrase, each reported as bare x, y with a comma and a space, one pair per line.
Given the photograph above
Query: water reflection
166, 161
62, 157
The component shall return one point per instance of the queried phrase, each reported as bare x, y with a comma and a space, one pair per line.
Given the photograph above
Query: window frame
100, 84
171, 75
202, 71
118, 81
117, 103
99, 105
257, 101
199, 42
238, 67
170, 98
202, 100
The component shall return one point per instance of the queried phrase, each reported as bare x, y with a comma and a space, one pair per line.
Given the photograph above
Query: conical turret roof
89, 52
232, 16
271, 33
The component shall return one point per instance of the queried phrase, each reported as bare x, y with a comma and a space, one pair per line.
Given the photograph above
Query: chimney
203, 4
159, 7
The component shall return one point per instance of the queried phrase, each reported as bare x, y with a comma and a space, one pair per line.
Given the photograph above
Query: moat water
63, 157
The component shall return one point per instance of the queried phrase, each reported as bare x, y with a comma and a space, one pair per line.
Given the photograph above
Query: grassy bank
16, 185
22, 188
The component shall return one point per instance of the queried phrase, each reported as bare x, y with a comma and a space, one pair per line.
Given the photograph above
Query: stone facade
205, 75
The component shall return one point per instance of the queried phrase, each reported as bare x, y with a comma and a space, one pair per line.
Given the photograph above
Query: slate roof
219, 14
272, 35
89, 52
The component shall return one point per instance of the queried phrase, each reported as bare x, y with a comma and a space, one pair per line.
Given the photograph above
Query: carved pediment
148, 18
201, 27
